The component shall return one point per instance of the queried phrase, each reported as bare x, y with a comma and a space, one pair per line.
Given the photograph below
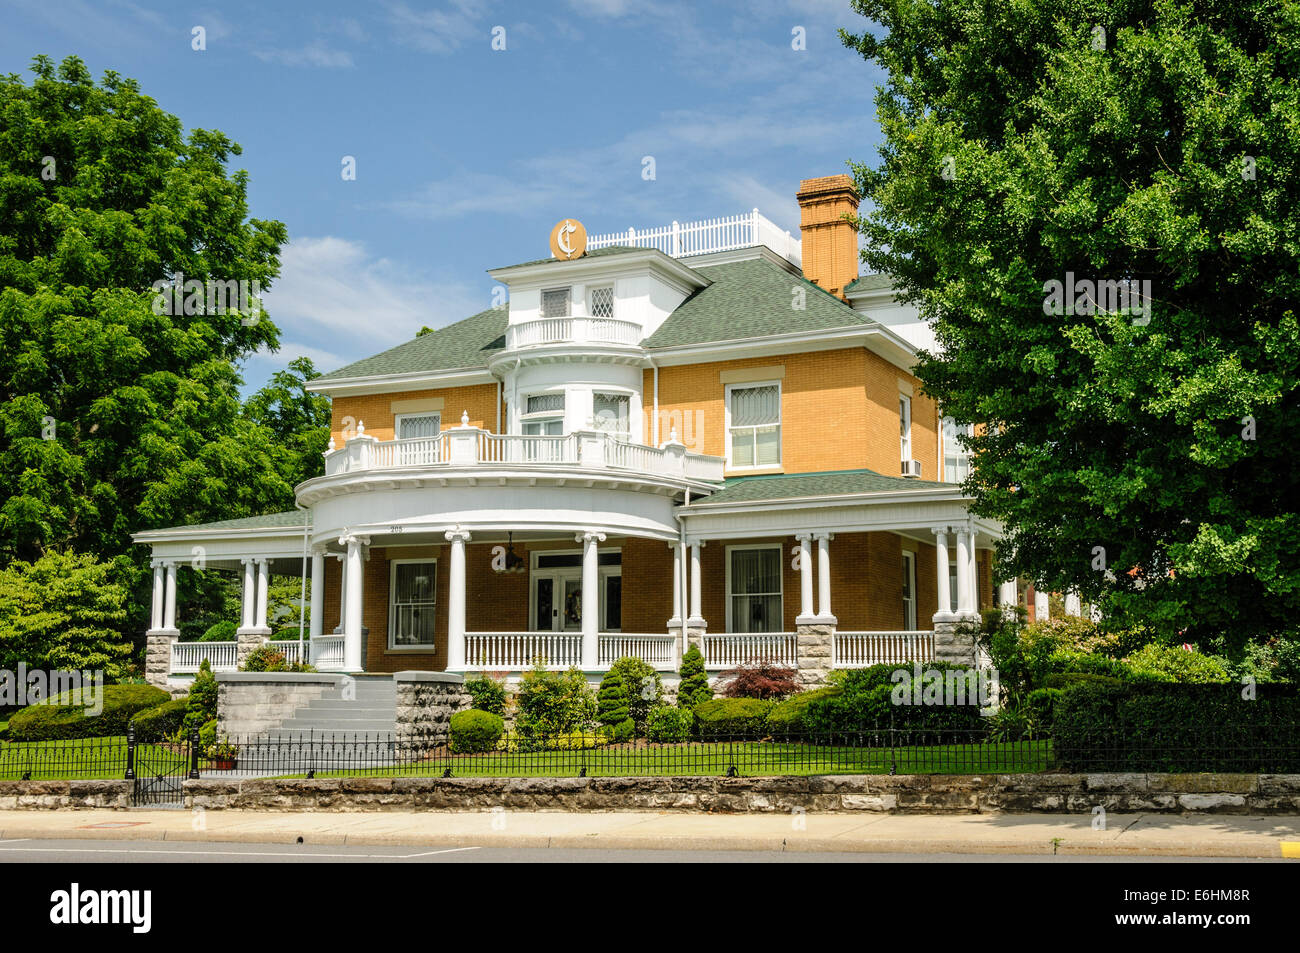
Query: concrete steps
331, 732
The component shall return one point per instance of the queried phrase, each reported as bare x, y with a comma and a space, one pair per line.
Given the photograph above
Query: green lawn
81, 759
749, 759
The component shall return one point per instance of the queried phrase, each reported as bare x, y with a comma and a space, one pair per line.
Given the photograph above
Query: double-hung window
956, 458
420, 429
610, 414
754, 588
754, 425
905, 426
412, 610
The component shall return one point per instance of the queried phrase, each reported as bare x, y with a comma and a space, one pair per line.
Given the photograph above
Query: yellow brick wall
375, 410
839, 411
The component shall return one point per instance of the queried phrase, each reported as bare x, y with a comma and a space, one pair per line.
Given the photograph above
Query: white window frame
905, 426
568, 307
780, 556
623, 435
961, 452
780, 429
398, 418
544, 416
427, 648
909, 606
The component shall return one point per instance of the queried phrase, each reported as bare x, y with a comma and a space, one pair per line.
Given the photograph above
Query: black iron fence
160, 768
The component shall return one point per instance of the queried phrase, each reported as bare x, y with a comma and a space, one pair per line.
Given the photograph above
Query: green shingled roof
757, 489
869, 283
750, 299
287, 520
465, 344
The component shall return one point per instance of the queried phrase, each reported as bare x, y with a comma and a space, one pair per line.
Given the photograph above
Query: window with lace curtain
753, 425
412, 603
610, 413
754, 589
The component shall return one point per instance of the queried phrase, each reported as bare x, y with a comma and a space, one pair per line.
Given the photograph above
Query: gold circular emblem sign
568, 239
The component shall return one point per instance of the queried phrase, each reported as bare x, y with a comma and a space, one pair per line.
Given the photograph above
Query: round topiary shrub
474, 732
161, 723
223, 631
669, 725
55, 718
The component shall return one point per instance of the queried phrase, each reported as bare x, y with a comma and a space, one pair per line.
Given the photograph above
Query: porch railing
576, 330
503, 651
327, 653
863, 649
188, 656
291, 650
732, 649
659, 651
681, 239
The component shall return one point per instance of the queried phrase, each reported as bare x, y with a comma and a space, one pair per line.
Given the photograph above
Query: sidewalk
1134, 834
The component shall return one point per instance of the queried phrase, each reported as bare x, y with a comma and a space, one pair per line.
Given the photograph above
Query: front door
557, 601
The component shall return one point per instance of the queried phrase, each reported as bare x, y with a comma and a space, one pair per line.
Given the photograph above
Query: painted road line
220, 853
1291, 848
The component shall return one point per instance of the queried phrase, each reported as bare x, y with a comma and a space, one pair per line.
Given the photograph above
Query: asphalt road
117, 852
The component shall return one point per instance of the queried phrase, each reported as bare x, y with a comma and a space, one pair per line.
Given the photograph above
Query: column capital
694, 541
941, 530
587, 537
351, 538
318, 550
826, 536
804, 537
457, 535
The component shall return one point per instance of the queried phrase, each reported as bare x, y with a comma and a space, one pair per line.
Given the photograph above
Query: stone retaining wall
425, 703
253, 702
873, 794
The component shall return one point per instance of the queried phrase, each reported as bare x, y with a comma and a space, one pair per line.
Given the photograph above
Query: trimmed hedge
669, 725
790, 715
52, 719
724, 717
158, 724
865, 702
474, 731
1177, 727
223, 631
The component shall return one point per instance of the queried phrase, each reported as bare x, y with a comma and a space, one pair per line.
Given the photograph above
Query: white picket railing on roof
681, 239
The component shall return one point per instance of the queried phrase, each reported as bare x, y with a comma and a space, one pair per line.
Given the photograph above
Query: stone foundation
425, 703
158, 656
813, 645
246, 640
954, 642
252, 702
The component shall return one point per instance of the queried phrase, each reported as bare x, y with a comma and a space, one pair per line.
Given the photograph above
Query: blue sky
465, 155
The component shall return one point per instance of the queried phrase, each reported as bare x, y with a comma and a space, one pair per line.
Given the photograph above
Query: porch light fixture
513, 561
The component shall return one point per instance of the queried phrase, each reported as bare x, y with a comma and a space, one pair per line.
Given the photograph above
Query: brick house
706, 433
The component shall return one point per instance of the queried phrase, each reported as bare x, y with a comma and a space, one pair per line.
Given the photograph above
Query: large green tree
114, 417
1146, 459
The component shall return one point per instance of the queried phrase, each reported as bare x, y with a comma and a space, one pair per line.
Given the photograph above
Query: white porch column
678, 614
590, 598
945, 613
806, 614
1072, 606
352, 648
456, 600
696, 620
263, 585
1041, 612
159, 595
249, 594
317, 592
1008, 597
964, 602
824, 613
169, 604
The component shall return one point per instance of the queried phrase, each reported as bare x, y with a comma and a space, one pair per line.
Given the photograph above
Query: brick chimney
830, 244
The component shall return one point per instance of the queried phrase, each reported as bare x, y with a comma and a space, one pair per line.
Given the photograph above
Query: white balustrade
540, 332
188, 656
483, 448
503, 651
733, 649
659, 651
290, 649
327, 653
863, 649
682, 239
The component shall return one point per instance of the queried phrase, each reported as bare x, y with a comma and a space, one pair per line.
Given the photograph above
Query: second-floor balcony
542, 332
467, 446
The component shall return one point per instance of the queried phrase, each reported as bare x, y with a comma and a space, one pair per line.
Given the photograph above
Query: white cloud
332, 290
437, 30
315, 53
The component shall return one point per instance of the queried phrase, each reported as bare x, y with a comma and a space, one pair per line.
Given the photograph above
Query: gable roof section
751, 299
465, 344
800, 486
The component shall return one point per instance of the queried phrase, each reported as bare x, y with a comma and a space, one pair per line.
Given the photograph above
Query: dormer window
555, 303
602, 302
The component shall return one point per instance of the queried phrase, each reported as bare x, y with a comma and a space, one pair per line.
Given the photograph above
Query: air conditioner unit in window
911, 468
